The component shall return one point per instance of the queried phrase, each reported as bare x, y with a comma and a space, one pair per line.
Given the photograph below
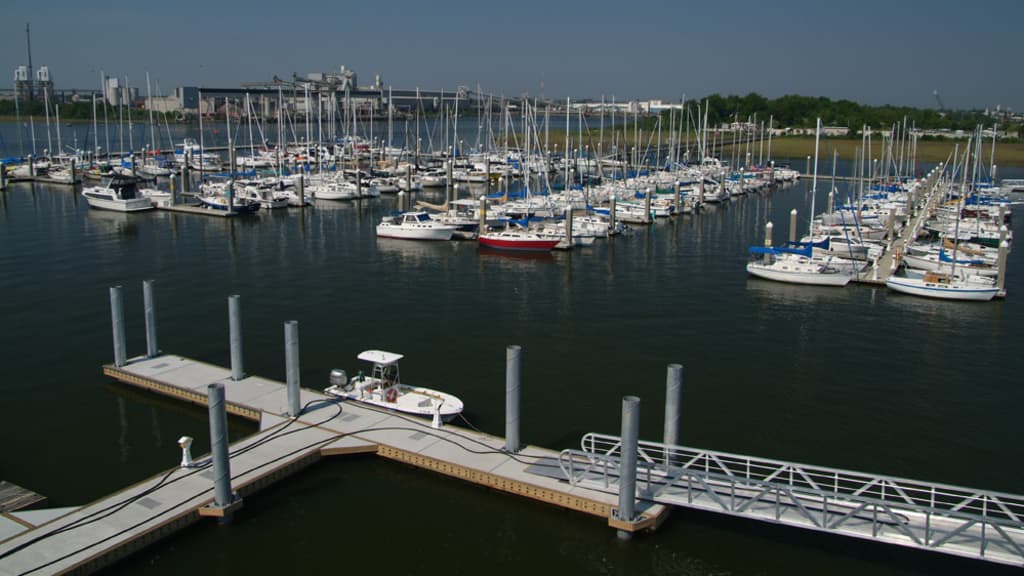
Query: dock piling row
512, 357
291, 357
117, 324
150, 311
673, 403
222, 496
235, 325
627, 466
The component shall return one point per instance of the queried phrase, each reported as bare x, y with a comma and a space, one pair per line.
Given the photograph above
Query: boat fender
391, 395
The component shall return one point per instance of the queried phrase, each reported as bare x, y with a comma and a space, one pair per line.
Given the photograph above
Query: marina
509, 278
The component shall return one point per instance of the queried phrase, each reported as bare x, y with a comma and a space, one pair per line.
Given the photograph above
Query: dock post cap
435, 423
185, 442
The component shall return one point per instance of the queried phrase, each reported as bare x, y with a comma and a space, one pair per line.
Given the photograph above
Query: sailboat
959, 283
797, 263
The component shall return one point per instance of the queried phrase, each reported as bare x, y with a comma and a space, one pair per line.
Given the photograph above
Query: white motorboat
121, 194
382, 388
414, 226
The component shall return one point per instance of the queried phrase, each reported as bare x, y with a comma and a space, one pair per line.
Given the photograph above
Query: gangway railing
938, 517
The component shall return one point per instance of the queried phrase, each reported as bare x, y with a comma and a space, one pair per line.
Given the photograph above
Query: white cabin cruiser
382, 388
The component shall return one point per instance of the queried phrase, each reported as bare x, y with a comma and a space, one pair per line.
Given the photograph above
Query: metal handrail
826, 497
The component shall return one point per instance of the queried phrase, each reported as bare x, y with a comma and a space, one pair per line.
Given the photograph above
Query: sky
873, 52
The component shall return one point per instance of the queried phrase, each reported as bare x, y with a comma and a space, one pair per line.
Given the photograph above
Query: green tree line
796, 111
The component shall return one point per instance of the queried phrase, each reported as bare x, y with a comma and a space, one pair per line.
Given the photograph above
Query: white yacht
121, 194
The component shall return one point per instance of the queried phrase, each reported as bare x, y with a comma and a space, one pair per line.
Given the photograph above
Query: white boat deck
86, 538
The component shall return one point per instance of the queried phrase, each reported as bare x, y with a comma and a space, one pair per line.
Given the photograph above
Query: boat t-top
383, 388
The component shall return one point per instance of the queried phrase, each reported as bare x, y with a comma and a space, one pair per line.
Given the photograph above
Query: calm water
856, 378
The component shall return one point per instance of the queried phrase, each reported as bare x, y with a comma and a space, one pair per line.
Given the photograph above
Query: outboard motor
339, 378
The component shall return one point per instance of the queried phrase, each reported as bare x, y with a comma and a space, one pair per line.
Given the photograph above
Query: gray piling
174, 190
359, 182
679, 206
448, 183
408, 177
291, 360
401, 202
74, 173
768, 240
611, 212
512, 359
627, 461
3, 178
568, 225
235, 325
1004, 247
673, 403
31, 167
482, 226
792, 225
149, 306
300, 187
117, 323
647, 205
222, 496
186, 179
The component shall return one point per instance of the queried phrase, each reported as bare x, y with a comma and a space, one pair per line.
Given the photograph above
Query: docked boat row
945, 242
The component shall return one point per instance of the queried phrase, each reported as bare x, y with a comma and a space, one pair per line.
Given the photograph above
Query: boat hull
132, 205
412, 400
525, 245
798, 277
921, 287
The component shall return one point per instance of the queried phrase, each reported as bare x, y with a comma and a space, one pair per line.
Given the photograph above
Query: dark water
856, 378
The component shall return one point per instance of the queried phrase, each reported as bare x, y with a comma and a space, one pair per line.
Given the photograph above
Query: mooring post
679, 206
300, 187
3, 177
568, 225
647, 205
291, 360
768, 240
611, 212
673, 407
627, 461
150, 309
482, 225
792, 226
74, 173
222, 496
401, 202
235, 325
174, 190
512, 358
186, 179
1004, 247
117, 323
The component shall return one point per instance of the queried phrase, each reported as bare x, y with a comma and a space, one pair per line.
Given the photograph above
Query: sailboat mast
814, 179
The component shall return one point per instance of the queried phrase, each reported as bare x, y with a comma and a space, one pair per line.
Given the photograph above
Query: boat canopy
379, 357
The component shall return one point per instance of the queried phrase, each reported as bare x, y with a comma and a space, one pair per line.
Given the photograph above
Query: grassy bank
1007, 154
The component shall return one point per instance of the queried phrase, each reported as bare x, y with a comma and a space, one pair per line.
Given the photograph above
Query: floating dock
98, 534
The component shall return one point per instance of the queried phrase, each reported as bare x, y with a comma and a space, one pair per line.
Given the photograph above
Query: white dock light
186, 451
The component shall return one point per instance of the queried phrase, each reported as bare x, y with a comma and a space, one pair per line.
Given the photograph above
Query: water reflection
116, 223
782, 293
415, 251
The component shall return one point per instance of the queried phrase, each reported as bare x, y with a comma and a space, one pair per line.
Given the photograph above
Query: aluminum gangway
961, 521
